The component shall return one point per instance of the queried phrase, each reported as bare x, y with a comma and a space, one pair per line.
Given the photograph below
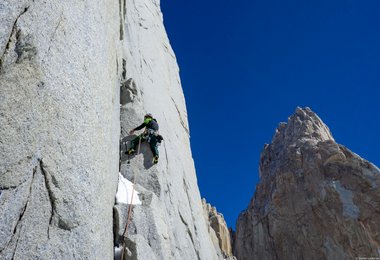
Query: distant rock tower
315, 200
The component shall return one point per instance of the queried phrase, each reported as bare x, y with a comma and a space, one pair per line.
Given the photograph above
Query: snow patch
124, 192
349, 208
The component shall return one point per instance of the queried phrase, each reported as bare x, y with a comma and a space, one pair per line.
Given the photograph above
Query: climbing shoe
155, 159
130, 151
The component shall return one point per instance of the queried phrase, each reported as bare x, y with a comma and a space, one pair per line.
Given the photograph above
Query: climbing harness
145, 136
149, 133
125, 233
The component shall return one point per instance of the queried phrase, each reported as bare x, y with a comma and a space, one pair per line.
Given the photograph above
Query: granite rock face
218, 229
316, 199
75, 77
169, 224
59, 128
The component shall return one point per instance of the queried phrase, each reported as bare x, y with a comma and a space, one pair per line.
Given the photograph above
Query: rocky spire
315, 200
303, 125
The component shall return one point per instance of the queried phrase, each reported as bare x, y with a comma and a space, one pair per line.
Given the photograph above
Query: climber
150, 135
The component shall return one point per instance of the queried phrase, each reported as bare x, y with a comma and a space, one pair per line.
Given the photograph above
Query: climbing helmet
148, 115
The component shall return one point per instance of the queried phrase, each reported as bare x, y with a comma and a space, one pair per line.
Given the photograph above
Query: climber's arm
138, 128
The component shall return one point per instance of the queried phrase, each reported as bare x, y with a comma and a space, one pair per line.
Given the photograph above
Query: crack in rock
55, 218
180, 118
167, 159
122, 11
13, 31
52, 198
21, 216
187, 229
54, 33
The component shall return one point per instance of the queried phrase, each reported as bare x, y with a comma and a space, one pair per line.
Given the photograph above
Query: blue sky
246, 65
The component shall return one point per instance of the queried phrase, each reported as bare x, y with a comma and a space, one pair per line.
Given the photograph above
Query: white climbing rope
125, 233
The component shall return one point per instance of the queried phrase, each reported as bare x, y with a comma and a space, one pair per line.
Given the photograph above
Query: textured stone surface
169, 224
59, 128
218, 230
73, 76
316, 199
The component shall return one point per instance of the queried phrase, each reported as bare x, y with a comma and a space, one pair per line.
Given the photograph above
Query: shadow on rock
125, 145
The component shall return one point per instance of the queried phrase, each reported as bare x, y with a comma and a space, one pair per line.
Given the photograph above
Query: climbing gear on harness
159, 138
151, 131
155, 159
130, 151
148, 133
125, 233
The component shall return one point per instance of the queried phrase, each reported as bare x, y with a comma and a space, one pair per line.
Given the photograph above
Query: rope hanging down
125, 233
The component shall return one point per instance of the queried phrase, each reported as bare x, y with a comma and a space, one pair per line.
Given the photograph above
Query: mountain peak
303, 125
313, 186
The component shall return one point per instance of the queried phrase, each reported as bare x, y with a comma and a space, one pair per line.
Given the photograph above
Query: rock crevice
16, 228
13, 31
50, 193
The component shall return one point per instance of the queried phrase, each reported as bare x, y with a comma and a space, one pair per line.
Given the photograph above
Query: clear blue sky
247, 64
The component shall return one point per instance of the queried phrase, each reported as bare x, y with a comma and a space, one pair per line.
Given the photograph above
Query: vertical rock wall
62, 112
59, 128
316, 199
61, 116
169, 224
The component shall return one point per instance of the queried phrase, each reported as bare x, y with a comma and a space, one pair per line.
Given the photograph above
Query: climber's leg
153, 147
